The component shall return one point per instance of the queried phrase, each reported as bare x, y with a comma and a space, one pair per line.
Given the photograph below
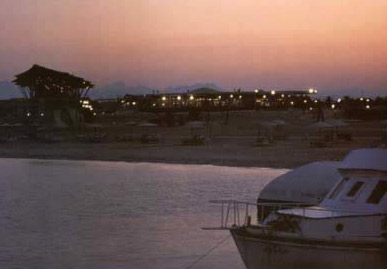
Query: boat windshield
378, 193
338, 189
355, 188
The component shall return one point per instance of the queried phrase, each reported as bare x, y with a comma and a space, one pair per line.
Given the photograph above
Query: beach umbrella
266, 127
146, 128
11, 125
267, 124
131, 123
321, 125
147, 125
196, 124
338, 123
93, 125
279, 122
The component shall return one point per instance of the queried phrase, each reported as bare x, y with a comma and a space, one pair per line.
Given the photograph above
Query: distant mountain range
117, 89
8, 90
194, 87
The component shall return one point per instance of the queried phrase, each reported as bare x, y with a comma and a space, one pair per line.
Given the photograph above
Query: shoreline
280, 156
233, 144
43, 158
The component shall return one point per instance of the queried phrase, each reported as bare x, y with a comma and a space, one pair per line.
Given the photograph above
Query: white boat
348, 229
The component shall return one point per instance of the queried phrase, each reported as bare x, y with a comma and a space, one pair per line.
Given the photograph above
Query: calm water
80, 214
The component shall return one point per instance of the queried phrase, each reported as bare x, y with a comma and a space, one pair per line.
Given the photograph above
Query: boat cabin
363, 186
307, 184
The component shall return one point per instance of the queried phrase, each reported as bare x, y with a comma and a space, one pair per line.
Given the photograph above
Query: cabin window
378, 193
355, 188
338, 189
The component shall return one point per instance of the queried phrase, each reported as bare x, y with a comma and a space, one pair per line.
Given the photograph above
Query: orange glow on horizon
273, 44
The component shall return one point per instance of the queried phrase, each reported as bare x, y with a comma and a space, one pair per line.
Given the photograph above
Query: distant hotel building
210, 99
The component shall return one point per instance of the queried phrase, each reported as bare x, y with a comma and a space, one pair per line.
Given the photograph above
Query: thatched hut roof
45, 82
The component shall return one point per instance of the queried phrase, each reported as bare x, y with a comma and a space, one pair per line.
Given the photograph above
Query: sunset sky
281, 44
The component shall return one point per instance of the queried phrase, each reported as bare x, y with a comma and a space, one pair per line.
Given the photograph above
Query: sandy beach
233, 155
231, 144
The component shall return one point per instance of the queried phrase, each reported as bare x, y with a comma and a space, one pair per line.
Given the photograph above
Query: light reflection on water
81, 214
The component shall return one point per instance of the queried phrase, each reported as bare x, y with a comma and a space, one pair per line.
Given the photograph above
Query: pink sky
283, 44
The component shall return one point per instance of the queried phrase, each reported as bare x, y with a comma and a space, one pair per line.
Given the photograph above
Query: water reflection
80, 214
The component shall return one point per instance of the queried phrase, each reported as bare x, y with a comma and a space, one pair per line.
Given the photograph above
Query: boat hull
266, 253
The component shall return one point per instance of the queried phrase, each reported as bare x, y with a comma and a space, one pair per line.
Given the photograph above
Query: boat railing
237, 213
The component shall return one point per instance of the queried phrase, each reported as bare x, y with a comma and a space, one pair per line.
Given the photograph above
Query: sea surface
91, 214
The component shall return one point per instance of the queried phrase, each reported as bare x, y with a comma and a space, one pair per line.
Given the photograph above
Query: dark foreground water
80, 214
